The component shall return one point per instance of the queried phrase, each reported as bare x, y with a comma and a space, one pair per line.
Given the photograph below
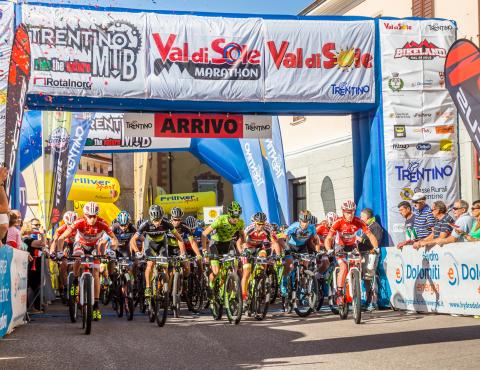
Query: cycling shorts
123, 252
169, 251
296, 249
220, 248
80, 249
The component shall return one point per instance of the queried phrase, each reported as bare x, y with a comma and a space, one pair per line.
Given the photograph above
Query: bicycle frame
354, 262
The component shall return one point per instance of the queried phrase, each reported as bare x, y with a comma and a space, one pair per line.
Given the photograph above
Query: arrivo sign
197, 125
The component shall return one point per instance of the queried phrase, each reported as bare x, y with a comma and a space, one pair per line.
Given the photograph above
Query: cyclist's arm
373, 240
205, 235
133, 243
194, 245
181, 244
113, 239
329, 240
65, 235
316, 240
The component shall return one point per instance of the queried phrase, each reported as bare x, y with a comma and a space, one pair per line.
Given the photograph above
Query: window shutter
423, 8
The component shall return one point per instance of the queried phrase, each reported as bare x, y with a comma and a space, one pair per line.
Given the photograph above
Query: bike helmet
191, 222
155, 212
123, 218
313, 220
234, 209
259, 217
304, 216
331, 218
200, 223
91, 209
349, 206
176, 212
139, 222
69, 217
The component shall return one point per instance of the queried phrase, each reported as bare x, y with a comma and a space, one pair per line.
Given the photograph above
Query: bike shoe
96, 315
371, 307
148, 292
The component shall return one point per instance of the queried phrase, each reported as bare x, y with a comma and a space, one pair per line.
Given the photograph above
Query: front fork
81, 282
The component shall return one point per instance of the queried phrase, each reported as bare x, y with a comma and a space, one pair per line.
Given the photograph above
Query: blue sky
292, 7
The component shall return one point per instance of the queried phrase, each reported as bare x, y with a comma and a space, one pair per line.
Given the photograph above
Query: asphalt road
385, 340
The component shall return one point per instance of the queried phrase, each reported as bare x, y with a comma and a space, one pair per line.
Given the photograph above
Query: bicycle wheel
305, 296
117, 298
343, 309
194, 293
72, 298
261, 297
161, 301
87, 309
177, 292
233, 298
104, 294
321, 294
140, 293
128, 301
356, 297
215, 302
273, 285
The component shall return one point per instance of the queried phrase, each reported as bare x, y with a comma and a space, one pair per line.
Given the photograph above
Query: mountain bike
196, 286
176, 263
122, 282
139, 285
157, 304
259, 288
352, 290
275, 271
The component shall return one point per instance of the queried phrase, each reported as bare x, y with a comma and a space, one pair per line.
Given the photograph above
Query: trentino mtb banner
186, 57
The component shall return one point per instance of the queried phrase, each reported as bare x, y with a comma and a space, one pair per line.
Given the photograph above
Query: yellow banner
189, 202
95, 189
108, 211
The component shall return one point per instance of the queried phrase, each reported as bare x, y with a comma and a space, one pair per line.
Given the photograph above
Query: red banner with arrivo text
199, 126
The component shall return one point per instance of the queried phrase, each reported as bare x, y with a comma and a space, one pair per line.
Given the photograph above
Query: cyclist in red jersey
346, 228
323, 228
89, 230
258, 235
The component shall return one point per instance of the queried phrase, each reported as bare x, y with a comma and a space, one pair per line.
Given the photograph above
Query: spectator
14, 238
474, 234
463, 224
366, 247
405, 210
424, 220
443, 226
3, 204
19, 218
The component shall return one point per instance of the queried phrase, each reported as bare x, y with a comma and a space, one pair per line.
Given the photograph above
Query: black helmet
155, 212
200, 223
139, 222
176, 212
191, 222
313, 220
259, 217
234, 209
304, 216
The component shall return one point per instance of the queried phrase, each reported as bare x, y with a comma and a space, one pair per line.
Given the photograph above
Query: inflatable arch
386, 72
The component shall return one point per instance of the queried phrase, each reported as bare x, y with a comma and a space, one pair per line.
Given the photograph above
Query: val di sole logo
406, 194
395, 83
399, 131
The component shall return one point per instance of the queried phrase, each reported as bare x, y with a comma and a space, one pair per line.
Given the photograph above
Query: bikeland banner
443, 279
6, 41
79, 52
420, 121
321, 61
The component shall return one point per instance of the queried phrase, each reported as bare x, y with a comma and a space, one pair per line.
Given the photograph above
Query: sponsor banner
78, 136
437, 178
18, 75
442, 279
272, 150
6, 40
210, 214
106, 135
253, 157
189, 202
86, 52
319, 61
197, 126
94, 188
463, 77
108, 211
212, 58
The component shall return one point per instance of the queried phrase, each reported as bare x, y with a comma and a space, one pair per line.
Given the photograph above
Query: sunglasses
474, 208
176, 219
260, 223
348, 212
91, 216
35, 225
457, 208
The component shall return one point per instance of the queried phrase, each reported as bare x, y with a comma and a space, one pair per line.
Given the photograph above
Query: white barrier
443, 279
13, 288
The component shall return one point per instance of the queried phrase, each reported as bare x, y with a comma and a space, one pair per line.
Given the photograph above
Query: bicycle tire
118, 298
321, 294
128, 301
216, 306
88, 304
176, 293
162, 298
261, 297
356, 299
343, 309
233, 298
194, 293
72, 299
273, 286
308, 282
105, 294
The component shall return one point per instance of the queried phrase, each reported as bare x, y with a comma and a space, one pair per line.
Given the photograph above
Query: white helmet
331, 218
91, 209
69, 217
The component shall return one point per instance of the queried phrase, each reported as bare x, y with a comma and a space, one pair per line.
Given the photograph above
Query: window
296, 120
423, 8
94, 168
88, 166
328, 195
299, 195
80, 165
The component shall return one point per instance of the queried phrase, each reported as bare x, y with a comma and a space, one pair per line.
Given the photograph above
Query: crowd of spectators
427, 226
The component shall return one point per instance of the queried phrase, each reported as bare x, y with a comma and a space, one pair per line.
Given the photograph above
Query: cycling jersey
155, 233
89, 235
322, 231
297, 236
61, 230
224, 230
346, 231
256, 238
185, 233
124, 236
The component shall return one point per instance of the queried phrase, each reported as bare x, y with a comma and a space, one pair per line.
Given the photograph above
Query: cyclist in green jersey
225, 227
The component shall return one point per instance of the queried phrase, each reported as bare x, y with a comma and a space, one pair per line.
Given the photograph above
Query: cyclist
185, 232
192, 224
259, 235
89, 230
226, 227
155, 230
345, 228
68, 218
323, 228
123, 230
301, 238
